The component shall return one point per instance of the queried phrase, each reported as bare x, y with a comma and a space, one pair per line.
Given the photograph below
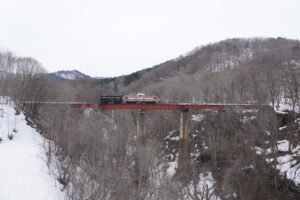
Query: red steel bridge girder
163, 106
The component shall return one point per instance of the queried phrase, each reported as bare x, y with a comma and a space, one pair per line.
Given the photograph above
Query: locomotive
140, 98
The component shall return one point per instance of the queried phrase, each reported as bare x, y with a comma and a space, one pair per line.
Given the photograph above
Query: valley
227, 152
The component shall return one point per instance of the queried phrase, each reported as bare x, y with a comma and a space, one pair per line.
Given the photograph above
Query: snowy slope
23, 172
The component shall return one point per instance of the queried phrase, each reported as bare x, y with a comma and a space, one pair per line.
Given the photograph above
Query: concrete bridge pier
140, 160
141, 124
183, 158
184, 129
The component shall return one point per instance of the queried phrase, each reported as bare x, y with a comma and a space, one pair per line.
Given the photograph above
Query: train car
140, 98
111, 99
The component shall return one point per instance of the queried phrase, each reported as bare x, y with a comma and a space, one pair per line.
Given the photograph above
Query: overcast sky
115, 37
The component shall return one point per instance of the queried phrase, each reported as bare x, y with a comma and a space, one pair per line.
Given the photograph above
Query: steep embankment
24, 173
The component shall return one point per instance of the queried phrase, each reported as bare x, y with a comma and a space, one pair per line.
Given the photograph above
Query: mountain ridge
71, 75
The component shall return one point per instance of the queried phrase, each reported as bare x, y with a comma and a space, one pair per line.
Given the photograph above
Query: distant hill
226, 71
199, 68
71, 75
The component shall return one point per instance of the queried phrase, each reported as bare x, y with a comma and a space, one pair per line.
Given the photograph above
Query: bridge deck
165, 106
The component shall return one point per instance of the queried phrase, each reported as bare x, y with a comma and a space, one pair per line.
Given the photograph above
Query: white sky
115, 37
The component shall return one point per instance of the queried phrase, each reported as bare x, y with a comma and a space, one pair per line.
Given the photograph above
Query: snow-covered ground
23, 172
284, 105
287, 164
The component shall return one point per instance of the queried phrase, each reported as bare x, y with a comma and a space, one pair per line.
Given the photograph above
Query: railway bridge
182, 107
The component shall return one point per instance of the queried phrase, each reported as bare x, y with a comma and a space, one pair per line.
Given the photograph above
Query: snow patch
198, 118
283, 145
281, 128
201, 188
289, 168
172, 137
171, 171
286, 105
